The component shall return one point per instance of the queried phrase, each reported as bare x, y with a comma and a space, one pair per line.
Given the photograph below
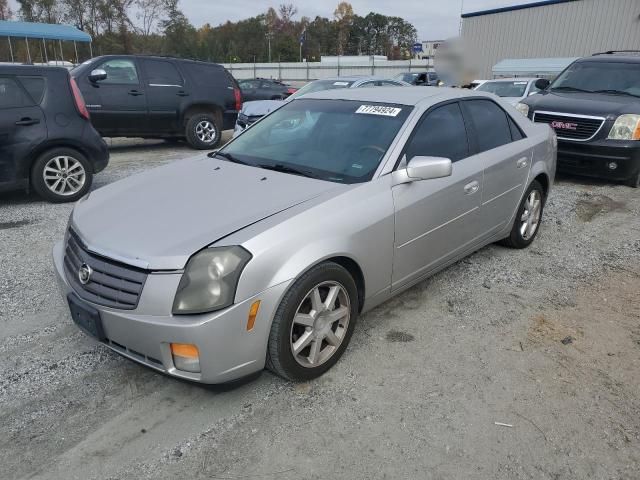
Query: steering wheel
372, 147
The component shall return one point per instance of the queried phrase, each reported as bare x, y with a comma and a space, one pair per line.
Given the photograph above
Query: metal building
551, 28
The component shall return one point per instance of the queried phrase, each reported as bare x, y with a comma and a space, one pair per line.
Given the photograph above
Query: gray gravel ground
546, 340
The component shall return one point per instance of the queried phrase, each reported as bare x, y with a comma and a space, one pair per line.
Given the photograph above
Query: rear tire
203, 131
61, 175
528, 218
324, 304
634, 182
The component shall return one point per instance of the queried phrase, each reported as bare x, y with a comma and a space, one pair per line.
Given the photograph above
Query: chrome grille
571, 127
112, 284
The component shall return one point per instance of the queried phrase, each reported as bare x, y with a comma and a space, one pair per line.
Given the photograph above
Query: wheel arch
30, 160
201, 107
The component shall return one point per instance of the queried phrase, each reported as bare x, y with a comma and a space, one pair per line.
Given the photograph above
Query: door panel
22, 126
436, 219
506, 156
166, 91
118, 104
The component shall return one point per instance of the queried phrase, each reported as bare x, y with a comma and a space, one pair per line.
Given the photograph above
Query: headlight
523, 108
210, 279
627, 127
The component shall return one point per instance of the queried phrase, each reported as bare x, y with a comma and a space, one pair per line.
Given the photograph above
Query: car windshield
603, 77
335, 140
505, 89
320, 85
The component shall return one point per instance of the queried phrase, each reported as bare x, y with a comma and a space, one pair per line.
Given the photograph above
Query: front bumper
238, 129
593, 158
227, 350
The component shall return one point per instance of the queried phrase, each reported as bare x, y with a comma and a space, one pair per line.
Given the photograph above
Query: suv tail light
78, 99
238, 96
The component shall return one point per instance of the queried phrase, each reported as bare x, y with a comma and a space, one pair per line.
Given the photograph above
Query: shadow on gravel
585, 181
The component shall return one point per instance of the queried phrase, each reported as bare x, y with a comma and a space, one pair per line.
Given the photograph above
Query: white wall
316, 70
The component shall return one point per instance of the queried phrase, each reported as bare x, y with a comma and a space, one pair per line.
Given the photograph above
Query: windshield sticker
519, 83
341, 84
379, 110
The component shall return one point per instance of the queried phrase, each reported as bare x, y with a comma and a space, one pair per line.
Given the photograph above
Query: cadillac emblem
84, 273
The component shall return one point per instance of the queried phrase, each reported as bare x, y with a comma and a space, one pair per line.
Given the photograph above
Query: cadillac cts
265, 252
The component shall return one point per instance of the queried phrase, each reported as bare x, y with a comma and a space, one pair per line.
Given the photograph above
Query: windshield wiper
571, 89
278, 167
616, 92
228, 157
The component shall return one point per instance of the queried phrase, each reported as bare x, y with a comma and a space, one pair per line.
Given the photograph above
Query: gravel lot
545, 340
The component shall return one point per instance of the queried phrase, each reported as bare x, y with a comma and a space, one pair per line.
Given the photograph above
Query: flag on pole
303, 35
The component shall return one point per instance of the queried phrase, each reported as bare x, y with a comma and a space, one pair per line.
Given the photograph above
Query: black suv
159, 97
594, 107
46, 139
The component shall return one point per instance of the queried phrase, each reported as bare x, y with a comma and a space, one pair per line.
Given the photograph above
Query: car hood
597, 104
157, 219
260, 107
512, 100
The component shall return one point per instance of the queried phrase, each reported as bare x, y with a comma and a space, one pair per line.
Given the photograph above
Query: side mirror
97, 75
542, 83
426, 168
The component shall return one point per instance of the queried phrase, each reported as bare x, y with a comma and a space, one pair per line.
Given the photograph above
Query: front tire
528, 218
203, 131
313, 324
61, 175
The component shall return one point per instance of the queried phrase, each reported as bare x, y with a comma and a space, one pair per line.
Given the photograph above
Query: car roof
158, 57
403, 96
611, 57
510, 79
30, 69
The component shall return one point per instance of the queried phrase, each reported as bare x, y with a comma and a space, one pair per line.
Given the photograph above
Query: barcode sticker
379, 110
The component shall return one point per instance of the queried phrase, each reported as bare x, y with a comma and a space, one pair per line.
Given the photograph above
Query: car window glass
162, 73
504, 89
598, 76
35, 86
490, 123
11, 95
389, 83
250, 84
120, 71
516, 133
440, 134
367, 84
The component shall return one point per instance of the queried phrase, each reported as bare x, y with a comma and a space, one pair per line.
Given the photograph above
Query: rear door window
35, 86
206, 75
161, 73
441, 133
12, 95
489, 122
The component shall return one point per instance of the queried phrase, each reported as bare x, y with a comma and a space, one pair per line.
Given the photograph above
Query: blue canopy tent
44, 32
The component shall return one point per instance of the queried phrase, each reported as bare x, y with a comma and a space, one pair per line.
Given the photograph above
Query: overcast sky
434, 19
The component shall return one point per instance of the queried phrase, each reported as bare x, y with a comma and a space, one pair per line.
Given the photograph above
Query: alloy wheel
64, 175
530, 218
320, 324
206, 131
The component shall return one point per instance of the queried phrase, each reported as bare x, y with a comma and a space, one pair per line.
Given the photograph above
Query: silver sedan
265, 252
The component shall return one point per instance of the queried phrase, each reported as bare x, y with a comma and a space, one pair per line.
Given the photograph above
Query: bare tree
149, 13
287, 12
5, 11
344, 17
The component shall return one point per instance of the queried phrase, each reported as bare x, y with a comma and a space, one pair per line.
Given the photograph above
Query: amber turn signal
253, 313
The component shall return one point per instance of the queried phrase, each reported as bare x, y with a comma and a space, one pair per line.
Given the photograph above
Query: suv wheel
61, 175
203, 131
313, 324
527, 222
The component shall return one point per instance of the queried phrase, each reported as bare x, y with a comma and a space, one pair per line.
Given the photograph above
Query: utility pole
269, 35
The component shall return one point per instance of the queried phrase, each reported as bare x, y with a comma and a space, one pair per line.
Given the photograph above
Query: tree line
160, 27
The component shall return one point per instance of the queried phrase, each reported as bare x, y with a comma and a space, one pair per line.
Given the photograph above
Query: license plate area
86, 317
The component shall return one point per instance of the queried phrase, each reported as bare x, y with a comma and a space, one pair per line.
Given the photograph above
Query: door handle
471, 188
523, 162
25, 122
182, 94
135, 93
